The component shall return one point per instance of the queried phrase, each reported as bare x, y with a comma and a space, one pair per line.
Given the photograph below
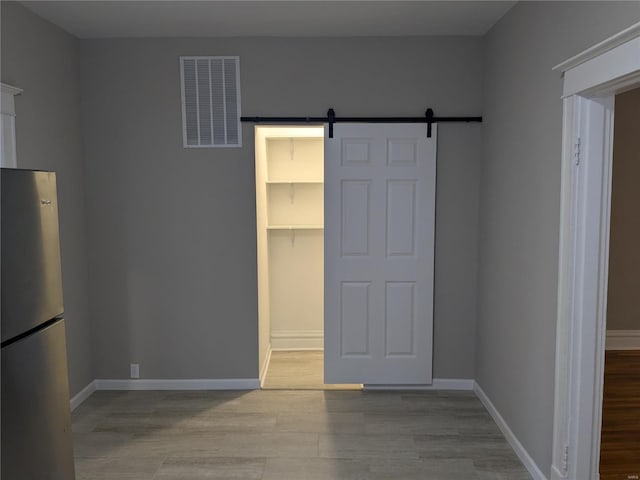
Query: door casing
591, 81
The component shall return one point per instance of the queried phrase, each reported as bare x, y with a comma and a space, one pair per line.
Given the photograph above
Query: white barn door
379, 253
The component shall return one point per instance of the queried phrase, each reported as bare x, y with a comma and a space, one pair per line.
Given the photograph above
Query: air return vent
211, 101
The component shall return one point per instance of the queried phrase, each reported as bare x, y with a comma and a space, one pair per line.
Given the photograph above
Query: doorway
620, 437
290, 235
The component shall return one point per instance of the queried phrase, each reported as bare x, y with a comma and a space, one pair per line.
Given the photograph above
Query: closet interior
290, 223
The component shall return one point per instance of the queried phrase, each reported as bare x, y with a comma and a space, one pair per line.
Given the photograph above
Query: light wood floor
299, 370
620, 447
290, 435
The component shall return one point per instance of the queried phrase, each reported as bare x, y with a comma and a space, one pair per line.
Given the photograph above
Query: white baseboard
453, 383
82, 395
438, 384
297, 340
522, 453
179, 384
265, 366
622, 340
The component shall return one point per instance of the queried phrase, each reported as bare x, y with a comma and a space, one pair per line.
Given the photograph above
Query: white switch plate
135, 370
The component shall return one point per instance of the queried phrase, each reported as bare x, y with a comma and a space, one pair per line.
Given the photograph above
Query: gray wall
520, 205
623, 303
42, 59
172, 230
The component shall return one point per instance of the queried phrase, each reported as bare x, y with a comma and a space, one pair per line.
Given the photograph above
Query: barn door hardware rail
429, 118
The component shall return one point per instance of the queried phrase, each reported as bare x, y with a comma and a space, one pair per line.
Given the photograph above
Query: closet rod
429, 118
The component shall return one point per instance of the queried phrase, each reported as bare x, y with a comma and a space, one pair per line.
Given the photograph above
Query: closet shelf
295, 227
285, 182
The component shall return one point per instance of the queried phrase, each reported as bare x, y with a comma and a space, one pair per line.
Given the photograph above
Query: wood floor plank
316, 469
366, 446
116, 468
321, 422
620, 442
196, 468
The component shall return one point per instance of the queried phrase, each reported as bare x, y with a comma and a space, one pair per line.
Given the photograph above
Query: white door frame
591, 80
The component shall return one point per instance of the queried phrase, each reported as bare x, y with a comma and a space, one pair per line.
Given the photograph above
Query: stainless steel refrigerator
36, 420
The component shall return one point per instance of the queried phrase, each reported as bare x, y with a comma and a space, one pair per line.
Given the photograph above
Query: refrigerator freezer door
31, 277
36, 419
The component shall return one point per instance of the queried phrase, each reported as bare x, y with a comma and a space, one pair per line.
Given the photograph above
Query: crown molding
4, 88
598, 49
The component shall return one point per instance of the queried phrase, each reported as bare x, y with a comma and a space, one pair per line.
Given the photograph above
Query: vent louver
211, 101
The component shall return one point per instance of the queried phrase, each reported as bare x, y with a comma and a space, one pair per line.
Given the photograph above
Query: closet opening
290, 255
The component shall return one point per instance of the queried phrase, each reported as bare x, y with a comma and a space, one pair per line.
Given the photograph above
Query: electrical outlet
135, 370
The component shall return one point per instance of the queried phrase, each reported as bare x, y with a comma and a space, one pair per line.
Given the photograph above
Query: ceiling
108, 19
